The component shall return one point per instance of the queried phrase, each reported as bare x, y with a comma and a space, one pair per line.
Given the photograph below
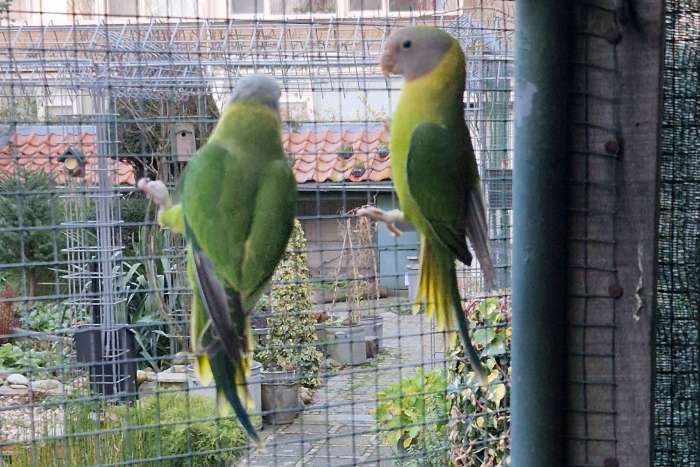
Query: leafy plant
291, 342
151, 311
27, 203
187, 424
133, 209
16, 357
413, 417
51, 317
167, 425
483, 439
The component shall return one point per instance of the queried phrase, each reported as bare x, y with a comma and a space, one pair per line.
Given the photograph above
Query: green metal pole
539, 231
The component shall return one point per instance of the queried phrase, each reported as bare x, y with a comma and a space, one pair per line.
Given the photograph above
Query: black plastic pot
109, 375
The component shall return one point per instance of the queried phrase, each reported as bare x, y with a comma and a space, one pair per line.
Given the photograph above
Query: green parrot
435, 172
237, 208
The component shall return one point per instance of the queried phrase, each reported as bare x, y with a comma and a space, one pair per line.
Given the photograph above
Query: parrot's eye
406, 44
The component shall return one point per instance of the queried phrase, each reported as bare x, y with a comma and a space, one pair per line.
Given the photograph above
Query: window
123, 7
295, 7
247, 7
174, 8
421, 5
364, 5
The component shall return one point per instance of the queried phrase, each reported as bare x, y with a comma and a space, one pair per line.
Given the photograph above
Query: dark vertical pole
539, 231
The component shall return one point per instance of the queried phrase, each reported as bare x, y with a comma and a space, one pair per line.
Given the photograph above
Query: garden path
337, 428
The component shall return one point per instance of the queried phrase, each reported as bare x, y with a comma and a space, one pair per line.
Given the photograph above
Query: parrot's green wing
237, 233
437, 181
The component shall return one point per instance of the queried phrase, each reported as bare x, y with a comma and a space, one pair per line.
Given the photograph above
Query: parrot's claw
390, 218
155, 190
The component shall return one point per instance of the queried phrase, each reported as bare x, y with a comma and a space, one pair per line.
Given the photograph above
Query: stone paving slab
337, 428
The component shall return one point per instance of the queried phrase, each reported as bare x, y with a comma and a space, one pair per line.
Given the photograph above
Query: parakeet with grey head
237, 207
435, 172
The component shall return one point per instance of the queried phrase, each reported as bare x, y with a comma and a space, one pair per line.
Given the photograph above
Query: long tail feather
225, 341
439, 293
469, 350
229, 383
477, 231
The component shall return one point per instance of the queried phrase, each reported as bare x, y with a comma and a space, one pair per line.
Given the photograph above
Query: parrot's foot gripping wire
155, 190
390, 218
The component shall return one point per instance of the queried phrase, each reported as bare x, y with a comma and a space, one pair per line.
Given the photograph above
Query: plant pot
374, 332
411, 276
110, 374
254, 383
346, 344
280, 397
374, 326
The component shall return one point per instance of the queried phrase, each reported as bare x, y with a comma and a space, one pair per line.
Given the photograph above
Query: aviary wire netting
677, 407
95, 366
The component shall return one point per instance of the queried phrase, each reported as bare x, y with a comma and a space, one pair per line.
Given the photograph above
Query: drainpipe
539, 231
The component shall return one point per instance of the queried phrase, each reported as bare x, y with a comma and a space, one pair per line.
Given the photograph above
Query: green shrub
413, 416
168, 425
51, 317
291, 342
27, 201
133, 209
483, 439
428, 422
23, 357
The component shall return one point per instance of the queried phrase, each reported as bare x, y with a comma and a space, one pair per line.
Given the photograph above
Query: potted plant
346, 340
288, 352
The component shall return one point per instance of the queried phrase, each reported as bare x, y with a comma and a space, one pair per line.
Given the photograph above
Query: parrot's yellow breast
433, 98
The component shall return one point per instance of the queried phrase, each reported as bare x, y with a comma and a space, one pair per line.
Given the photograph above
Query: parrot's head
414, 51
256, 89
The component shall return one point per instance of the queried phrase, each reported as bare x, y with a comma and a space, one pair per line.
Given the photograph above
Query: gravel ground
19, 423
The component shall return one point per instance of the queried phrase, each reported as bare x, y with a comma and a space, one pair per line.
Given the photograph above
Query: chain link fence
95, 366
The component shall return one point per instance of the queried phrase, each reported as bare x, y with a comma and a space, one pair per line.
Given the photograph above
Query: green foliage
158, 426
483, 440
291, 342
413, 418
51, 317
428, 422
21, 358
133, 209
154, 315
188, 424
33, 354
27, 201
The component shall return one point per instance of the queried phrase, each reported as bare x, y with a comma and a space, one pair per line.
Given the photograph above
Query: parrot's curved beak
387, 62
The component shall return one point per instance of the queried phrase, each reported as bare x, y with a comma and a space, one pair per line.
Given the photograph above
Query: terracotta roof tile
40, 151
314, 152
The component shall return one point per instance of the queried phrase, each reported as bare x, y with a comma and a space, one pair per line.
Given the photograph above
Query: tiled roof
319, 153
41, 150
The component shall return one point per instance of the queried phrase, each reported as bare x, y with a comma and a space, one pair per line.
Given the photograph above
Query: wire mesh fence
95, 359
676, 406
